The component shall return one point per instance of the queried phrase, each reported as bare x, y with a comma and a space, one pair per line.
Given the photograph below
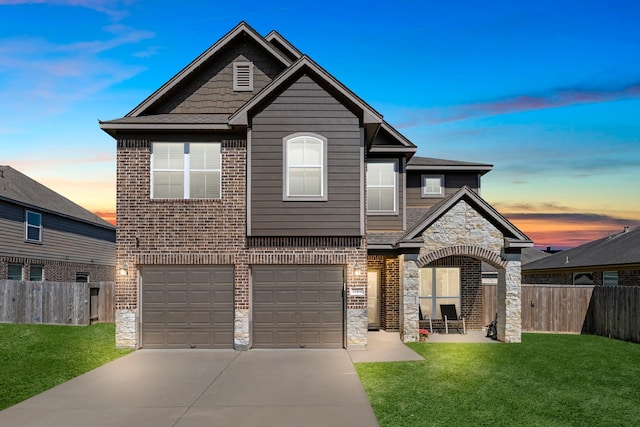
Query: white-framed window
305, 171
82, 277
243, 76
36, 273
183, 170
33, 227
432, 185
583, 278
438, 286
14, 271
610, 278
382, 186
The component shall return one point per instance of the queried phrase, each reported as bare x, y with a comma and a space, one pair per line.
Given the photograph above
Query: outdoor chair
450, 316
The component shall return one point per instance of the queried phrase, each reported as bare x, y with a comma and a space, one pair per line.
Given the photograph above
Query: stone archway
509, 306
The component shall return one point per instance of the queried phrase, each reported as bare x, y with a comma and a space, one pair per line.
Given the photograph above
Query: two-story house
46, 237
263, 204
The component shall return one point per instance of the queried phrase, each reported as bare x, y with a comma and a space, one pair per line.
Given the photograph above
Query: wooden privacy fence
614, 312
545, 308
56, 302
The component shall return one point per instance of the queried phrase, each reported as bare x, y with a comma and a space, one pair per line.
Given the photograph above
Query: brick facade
470, 287
59, 271
389, 289
206, 232
626, 277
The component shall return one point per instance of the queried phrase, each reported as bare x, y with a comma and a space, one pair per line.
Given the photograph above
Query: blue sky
547, 92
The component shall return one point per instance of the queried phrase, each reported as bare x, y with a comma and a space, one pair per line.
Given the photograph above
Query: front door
373, 298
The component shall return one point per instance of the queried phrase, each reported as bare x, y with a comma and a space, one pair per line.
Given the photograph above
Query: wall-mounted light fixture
356, 270
124, 269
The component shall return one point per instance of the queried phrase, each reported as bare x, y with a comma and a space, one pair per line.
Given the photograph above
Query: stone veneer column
357, 326
409, 292
509, 303
241, 329
126, 323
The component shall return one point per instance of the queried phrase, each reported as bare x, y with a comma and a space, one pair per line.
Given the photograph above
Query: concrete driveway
206, 388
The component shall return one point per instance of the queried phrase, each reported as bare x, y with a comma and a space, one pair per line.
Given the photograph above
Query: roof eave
241, 117
205, 56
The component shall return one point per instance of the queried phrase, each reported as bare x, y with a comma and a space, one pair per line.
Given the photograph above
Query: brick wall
201, 232
59, 271
470, 287
628, 277
389, 267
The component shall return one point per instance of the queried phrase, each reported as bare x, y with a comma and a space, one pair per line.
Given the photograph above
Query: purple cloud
552, 98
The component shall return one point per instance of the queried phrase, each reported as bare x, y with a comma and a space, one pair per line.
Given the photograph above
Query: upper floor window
382, 186
305, 174
243, 76
14, 272
33, 227
186, 170
432, 185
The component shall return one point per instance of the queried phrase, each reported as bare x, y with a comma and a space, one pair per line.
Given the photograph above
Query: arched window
305, 171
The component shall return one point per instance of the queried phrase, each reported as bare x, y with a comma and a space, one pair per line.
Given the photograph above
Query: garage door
297, 306
187, 307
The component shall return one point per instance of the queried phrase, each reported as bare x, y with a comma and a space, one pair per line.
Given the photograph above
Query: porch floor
472, 336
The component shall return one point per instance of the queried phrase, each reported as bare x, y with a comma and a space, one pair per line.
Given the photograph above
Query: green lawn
34, 358
547, 380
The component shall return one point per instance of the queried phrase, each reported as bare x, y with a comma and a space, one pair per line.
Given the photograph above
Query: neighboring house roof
18, 188
618, 249
421, 163
527, 255
510, 231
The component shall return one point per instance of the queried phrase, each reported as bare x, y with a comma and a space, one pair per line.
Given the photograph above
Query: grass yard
547, 380
35, 358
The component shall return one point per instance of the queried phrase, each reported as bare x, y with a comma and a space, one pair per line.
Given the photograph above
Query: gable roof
513, 236
392, 141
430, 163
305, 64
241, 29
283, 45
15, 187
617, 249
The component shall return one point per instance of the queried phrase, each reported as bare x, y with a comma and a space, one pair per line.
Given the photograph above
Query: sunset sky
546, 91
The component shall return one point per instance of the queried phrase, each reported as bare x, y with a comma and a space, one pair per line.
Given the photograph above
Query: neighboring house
262, 204
610, 261
490, 274
46, 237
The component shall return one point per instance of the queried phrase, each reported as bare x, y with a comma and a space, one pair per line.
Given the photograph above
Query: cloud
551, 98
115, 9
564, 230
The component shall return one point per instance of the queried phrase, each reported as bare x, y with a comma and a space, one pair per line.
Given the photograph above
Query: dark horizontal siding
50, 221
452, 182
305, 107
56, 245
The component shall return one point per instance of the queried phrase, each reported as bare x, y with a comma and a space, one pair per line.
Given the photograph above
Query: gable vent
243, 76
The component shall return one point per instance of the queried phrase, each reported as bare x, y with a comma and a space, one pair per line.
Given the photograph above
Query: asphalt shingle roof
621, 248
18, 188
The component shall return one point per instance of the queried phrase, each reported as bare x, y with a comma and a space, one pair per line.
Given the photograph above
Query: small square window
432, 185
36, 273
583, 278
82, 277
15, 272
610, 278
